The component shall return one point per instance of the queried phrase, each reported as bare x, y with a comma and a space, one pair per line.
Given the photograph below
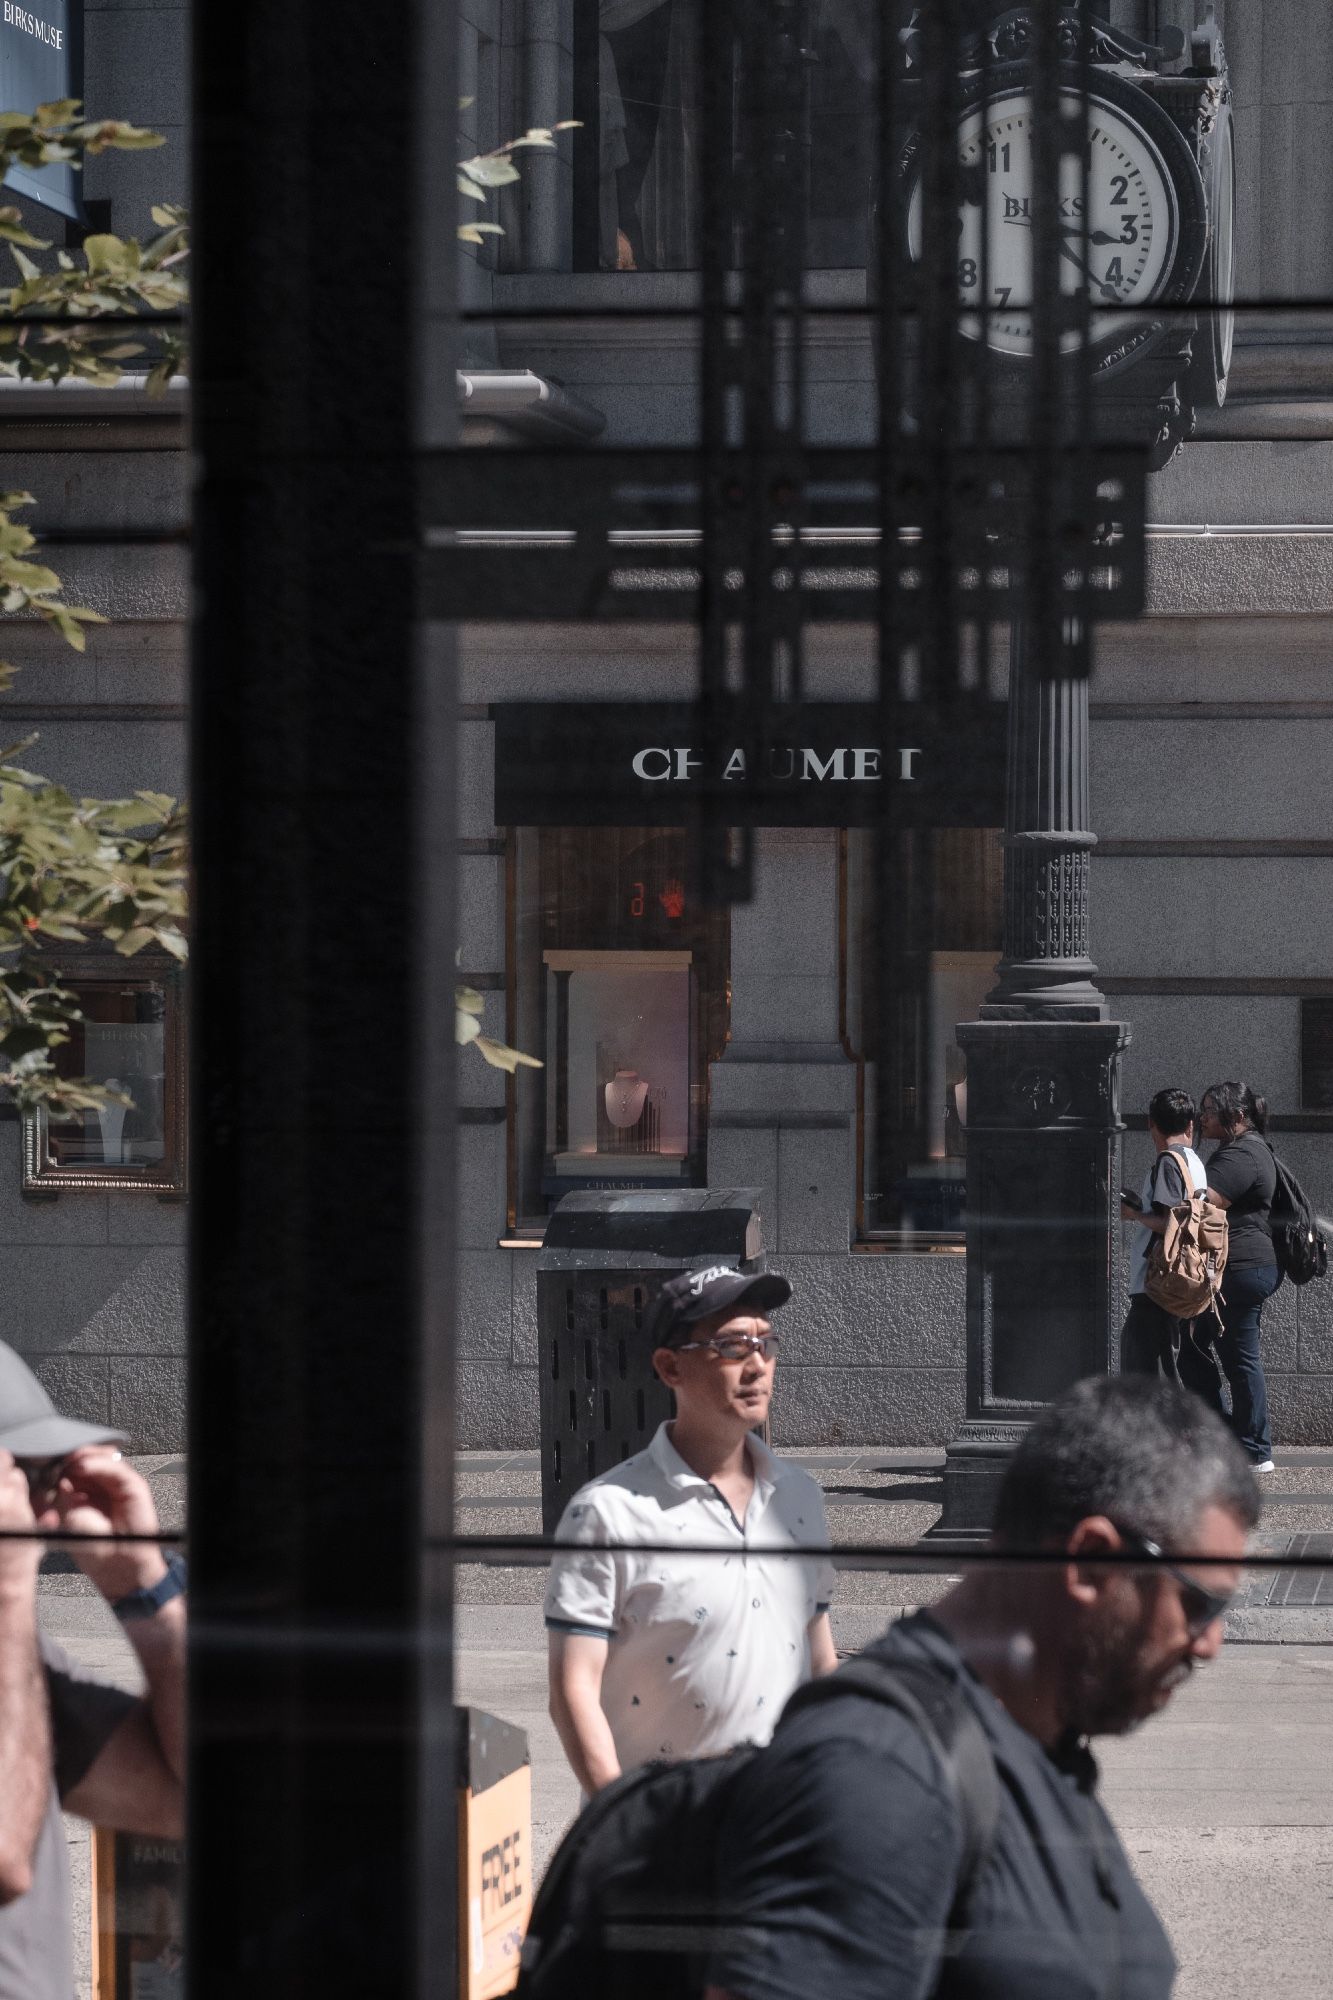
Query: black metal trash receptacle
602, 1265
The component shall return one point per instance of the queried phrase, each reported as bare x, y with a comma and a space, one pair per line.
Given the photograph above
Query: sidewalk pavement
890, 1496
1225, 1803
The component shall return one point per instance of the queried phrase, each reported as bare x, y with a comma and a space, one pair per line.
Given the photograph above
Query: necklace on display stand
625, 1096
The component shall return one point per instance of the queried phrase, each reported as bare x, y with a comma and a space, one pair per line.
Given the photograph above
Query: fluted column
1045, 972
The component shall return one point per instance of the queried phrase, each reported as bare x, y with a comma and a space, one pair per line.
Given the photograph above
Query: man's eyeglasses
733, 1346
1201, 1607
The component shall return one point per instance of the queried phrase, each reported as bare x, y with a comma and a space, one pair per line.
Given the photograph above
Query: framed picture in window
132, 1039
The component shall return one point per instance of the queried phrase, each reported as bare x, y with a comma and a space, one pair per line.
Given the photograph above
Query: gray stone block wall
92, 1295
92, 1283
136, 66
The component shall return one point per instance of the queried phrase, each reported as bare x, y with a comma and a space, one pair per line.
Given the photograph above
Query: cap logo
698, 1279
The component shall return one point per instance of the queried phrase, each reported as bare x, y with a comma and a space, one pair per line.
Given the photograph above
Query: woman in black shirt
1241, 1180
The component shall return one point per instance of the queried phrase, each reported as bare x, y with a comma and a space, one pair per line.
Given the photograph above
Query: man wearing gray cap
67, 1739
658, 1655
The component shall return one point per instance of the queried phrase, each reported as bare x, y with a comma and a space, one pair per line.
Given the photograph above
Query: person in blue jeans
1241, 1179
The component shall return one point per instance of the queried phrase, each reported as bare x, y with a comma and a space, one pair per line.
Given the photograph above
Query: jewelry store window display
620, 981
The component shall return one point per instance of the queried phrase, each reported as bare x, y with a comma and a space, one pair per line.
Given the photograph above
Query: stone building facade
92, 1278
1212, 726
1212, 732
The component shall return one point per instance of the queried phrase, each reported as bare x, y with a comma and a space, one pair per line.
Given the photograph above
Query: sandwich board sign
138, 1917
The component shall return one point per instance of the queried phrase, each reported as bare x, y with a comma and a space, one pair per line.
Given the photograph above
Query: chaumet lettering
849, 766
32, 24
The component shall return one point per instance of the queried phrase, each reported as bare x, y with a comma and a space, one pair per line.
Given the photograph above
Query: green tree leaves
111, 275
71, 870
484, 172
468, 1007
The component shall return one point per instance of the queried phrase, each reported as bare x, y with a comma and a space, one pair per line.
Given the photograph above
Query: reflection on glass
121, 1042
138, 1918
640, 100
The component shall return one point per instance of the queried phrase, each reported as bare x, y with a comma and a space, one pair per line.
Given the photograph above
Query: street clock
1147, 218
1146, 234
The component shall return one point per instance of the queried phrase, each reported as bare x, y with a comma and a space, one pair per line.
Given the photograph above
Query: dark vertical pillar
322, 1004
562, 980
1044, 1301
1045, 971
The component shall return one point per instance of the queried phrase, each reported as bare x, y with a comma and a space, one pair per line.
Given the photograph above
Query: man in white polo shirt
662, 1655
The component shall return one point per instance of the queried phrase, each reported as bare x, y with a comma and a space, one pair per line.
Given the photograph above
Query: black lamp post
1044, 1286
1043, 1118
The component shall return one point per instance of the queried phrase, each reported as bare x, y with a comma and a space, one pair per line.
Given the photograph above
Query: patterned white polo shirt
703, 1650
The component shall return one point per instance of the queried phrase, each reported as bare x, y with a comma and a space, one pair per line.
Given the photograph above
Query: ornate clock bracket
1013, 37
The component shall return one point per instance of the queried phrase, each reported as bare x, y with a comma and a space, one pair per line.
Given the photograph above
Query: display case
131, 1039
619, 1060
618, 978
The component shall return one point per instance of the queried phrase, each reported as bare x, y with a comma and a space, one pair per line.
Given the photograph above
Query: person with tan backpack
1178, 1251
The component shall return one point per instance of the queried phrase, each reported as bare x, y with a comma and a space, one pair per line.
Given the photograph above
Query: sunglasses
733, 1346
1201, 1607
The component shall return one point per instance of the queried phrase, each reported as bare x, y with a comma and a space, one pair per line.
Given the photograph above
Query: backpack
629, 1909
1298, 1244
1185, 1265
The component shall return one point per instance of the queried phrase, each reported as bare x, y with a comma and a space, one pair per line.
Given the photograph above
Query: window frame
166, 1178
1307, 1034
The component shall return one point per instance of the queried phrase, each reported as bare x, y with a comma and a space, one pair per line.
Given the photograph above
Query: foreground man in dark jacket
843, 1848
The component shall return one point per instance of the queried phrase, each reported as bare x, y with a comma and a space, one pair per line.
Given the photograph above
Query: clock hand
1106, 290
1099, 236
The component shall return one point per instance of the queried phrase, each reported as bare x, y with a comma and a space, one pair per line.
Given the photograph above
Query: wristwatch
146, 1602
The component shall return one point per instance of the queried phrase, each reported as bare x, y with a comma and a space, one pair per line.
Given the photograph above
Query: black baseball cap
697, 1295
30, 1424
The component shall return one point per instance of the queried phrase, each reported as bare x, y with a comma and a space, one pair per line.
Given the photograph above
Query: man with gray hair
848, 1856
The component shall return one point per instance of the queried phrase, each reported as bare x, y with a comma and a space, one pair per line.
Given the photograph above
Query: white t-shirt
703, 1650
1164, 1188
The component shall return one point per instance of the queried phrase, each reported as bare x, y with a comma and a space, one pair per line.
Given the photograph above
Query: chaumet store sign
825, 764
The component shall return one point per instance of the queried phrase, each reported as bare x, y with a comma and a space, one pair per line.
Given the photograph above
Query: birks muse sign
50, 32
825, 764
41, 61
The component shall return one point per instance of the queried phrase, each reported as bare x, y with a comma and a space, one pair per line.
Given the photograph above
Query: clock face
1131, 221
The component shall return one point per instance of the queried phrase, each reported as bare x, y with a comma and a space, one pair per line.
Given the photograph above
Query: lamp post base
974, 1466
1044, 1288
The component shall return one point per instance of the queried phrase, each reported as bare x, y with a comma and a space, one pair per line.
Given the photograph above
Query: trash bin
604, 1261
